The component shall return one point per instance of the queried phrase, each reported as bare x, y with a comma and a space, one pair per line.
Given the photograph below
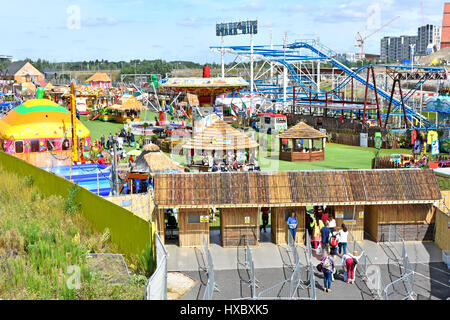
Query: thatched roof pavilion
220, 136
152, 161
302, 143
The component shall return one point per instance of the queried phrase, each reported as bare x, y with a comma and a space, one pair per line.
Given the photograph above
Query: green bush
70, 206
146, 262
28, 181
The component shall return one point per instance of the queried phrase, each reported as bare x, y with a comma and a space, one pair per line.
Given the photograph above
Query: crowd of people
328, 243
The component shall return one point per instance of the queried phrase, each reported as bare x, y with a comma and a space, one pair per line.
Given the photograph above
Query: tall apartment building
429, 40
397, 48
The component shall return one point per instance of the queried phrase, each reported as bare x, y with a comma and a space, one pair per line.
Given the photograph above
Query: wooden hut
355, 197
218, 141
153, 161
302, 143
128, 110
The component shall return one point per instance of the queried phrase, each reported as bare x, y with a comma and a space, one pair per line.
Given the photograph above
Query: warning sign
361, 214
204, 219
339, 214
350, 222
247, 220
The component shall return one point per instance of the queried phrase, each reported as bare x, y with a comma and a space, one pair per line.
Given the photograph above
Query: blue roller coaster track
286, 55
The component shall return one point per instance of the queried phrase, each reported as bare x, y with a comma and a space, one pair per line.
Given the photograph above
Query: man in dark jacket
325, 232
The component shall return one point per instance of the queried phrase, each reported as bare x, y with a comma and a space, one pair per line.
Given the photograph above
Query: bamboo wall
233, 228
358, 229
414, 222
442, 237
140, 204
191, 235
280, 228
161, 224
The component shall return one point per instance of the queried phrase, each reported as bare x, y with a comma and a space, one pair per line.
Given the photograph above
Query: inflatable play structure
39, 125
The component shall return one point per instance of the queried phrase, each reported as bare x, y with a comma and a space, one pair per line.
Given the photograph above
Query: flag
232, 112
171, 110
217, 111
184, 112
247, 110
198, 111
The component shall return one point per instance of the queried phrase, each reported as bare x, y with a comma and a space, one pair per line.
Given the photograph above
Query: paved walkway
268, 255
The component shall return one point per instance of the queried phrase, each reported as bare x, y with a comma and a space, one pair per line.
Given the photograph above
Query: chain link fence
156, 288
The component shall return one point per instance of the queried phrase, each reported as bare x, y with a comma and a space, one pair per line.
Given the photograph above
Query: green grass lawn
337, 156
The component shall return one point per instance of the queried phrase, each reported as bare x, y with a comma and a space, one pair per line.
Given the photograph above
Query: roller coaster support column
371, 69
396, 80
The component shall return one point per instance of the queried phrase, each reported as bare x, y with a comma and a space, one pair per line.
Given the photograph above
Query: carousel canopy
37, 119
302, 130
220, 136
204, 86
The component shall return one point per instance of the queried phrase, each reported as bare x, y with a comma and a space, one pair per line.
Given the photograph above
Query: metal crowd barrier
211, 284
407, 271
156, 288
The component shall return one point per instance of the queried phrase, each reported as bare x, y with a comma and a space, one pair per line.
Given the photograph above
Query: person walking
325, 234
102, 141
342, 239
292, 223
316, 234
332, 223
265, 218
328, 268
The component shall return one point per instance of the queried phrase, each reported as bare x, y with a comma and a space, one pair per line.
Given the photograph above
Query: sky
114, 30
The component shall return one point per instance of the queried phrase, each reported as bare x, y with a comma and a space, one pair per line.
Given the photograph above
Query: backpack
333, 241
326, 263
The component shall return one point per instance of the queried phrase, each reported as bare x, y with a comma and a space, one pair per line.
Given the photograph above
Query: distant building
100, 80
23, 71
429, 40
5, 57
397, 48
445, 32
350, 57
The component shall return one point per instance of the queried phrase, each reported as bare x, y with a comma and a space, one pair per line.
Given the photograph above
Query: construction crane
360, 39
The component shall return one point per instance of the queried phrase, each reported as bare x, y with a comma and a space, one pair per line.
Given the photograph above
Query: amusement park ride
280, 75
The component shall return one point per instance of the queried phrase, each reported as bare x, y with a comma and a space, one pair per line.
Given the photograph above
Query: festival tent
100, 79
38, 119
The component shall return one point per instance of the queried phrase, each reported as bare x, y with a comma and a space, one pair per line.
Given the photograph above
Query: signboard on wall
361, 214
435, 147
247, 220
364, 140
236, 28
204, 219
350, 222
339, 214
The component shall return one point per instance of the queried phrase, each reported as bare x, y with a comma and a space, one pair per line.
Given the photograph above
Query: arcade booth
37, 127
128, 110
272, 122
302, 143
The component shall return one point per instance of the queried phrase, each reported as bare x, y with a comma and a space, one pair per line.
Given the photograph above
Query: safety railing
156, 288
250, 265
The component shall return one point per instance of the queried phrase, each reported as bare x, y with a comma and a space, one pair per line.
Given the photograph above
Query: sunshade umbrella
134, 153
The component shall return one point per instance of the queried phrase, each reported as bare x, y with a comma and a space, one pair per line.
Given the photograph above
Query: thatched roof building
302, 130
299, 188
152, 161
220, 136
